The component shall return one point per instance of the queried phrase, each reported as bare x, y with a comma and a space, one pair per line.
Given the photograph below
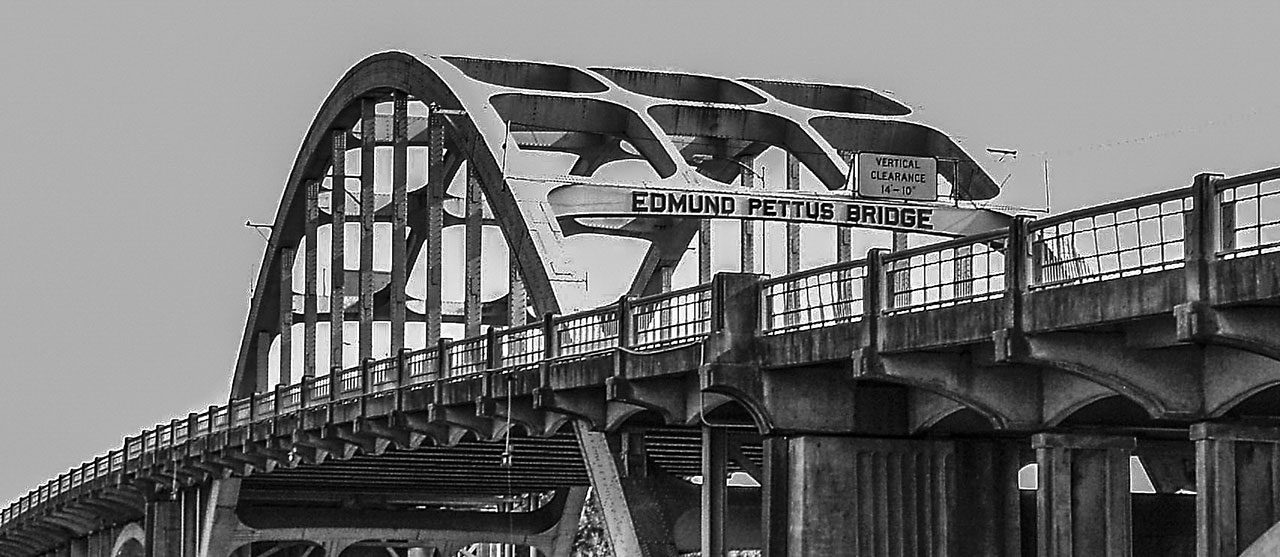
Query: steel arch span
666, 129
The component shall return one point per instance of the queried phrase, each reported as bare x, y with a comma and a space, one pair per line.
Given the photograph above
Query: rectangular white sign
896, 177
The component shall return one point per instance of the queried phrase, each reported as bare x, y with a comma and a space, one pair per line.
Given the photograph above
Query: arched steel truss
693, 131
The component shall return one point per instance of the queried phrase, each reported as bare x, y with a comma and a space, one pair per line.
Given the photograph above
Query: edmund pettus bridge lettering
780, 208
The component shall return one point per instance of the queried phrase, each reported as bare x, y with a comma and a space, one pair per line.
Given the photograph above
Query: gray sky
141, 136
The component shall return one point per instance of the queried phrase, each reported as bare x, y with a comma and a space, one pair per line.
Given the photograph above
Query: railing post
735, 304
210, 425
442, 359
366, 375
493, 349
1200, 234
402, 367
304, 391
875, 297
624, 322
492, 361
1017, 279
275, 406
550, 349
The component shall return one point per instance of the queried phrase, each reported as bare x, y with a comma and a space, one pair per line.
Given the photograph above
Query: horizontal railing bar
837, 266
1114, 206
1245, 179
652, 298
982, 238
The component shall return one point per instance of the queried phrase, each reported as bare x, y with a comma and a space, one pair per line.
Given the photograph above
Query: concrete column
1082, 501
190, 522
988, 516
163, 527
859, 497
1237, 486
78, 547
715, 452
774, 500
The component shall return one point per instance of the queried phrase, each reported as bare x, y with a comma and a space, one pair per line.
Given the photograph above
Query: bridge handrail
817, 297
685, 314
1123, 238
962, 270
668, 318
1248, 216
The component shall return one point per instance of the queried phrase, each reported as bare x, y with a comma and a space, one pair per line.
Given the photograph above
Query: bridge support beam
1237, 486
163, 527
1082, 500
632, 511
835, 495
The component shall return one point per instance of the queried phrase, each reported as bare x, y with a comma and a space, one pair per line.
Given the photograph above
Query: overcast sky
141, 136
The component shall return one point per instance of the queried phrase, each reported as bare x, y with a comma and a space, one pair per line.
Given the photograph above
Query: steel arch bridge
882, 405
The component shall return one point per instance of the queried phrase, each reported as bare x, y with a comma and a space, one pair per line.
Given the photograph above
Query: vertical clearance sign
896, 177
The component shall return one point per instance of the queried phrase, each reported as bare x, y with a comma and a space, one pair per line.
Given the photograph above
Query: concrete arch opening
130, 542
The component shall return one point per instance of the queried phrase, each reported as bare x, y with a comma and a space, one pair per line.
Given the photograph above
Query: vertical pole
337, 247
747, 178
704, 251
518, 299
400, 216
714, 452
844, 243
435, 222
791, 303
665, 273
844, 234
473, 225
286, 315
793, 229
311, 265
368, 148
264, 361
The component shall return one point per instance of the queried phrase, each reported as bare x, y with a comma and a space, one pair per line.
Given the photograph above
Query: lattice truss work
419, 155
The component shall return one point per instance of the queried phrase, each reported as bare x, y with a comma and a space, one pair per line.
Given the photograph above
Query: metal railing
1109, 241
1106, 242
1248, 214
948, 273
819, 297
670, 318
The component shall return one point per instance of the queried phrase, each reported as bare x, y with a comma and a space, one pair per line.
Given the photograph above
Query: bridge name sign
584, 200
896, 177
756, 206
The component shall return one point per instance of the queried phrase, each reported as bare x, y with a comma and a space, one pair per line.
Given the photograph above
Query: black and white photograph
640, 279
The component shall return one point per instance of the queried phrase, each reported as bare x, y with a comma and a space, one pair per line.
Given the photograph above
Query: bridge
883, 405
